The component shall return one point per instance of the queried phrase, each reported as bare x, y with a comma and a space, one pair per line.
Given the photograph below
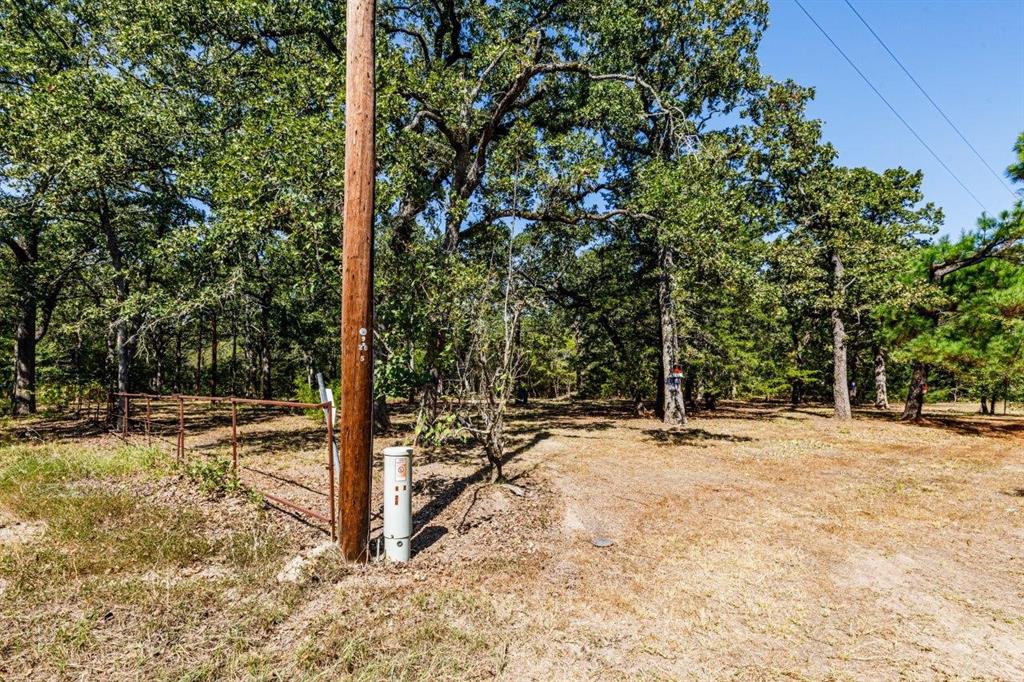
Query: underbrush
213, 476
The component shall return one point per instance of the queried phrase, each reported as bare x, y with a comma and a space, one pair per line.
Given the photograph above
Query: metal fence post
330, 470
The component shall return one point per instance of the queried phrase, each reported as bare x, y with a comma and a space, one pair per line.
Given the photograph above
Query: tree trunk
881, 392
25, 248
24, 398
109, 362
851, 371
659, 384
178, 359
35, 299
796, 393
915, 396
234, 350
310, 367
124, 357
266, 389
381, 419
78, 369
796, 386
840, 388
199, 356
159, 346
431, 394
579, 369
984, 405
675, 410
123, 346
213, 354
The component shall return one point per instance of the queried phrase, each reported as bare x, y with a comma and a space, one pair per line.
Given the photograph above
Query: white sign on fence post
327, 396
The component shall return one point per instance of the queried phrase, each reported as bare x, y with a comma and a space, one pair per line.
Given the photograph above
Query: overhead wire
931, 100
890, 106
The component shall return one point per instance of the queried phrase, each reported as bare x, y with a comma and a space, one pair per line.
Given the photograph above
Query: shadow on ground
693, 436
966, 425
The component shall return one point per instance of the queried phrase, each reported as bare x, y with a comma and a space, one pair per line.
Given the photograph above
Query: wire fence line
153, 425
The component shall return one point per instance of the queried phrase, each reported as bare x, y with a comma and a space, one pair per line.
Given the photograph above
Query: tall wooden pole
356, 416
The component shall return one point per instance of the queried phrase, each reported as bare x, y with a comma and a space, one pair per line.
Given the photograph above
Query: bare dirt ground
759, 542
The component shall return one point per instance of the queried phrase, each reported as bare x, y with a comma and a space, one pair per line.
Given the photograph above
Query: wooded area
592, 220
573, 198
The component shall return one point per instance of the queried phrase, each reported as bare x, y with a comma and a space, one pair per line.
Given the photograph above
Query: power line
891, 107
942, 113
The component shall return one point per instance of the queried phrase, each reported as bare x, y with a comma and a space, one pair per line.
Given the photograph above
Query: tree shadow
441, 493
50, 428
266, 440
316, 525
283, 479
564, 424
690, 436
967, 425
734, 409
449, 454
426, 537
162, 421
570, 413
525, 445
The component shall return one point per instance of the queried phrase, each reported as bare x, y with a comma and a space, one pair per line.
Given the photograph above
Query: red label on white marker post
401, 469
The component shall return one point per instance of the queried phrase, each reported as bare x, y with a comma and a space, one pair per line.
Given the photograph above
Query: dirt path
775, 545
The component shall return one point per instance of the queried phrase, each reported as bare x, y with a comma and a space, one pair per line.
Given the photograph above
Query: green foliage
444, 430
214, 476
171, 177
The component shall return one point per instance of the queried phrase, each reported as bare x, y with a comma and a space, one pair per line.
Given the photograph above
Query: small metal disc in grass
602, 542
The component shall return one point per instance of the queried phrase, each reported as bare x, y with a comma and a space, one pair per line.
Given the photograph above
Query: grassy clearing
113, 549
756, 544
92, 525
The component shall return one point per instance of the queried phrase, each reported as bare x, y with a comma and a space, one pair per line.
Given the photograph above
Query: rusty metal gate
148, 424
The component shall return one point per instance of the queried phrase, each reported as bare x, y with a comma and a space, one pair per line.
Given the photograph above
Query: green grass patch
121, 564
22, 465
95, 524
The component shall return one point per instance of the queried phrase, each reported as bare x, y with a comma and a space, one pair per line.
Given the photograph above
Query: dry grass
758, 543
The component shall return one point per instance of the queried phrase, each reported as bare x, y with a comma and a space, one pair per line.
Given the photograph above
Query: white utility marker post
397, 502
327, 396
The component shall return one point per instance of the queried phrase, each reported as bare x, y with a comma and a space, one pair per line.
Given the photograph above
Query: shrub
213, 475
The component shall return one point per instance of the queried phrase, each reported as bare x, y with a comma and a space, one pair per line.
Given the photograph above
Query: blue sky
968, 55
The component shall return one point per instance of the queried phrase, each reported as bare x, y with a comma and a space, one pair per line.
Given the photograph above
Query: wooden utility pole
356, 415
